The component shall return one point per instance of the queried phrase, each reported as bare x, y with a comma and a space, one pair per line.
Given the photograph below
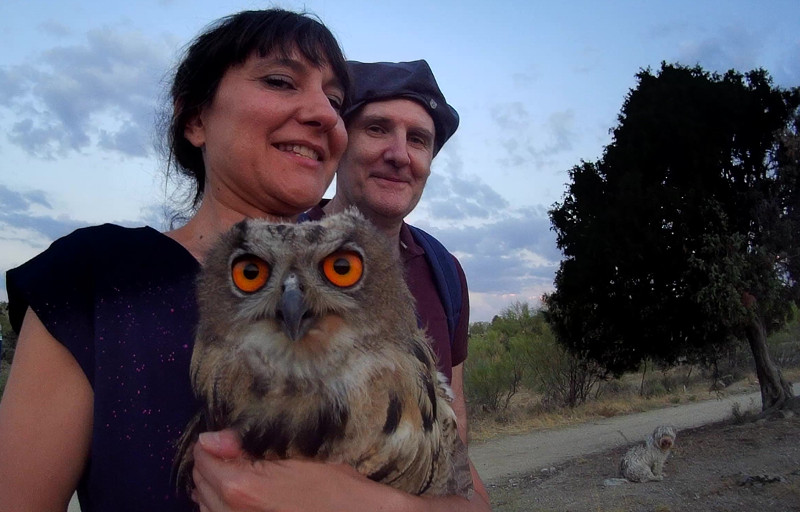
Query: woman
99, 389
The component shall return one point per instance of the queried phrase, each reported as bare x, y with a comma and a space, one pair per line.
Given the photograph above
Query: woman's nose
317, 110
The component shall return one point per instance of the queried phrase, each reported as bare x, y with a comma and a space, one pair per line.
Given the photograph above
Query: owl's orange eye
249, 273
343, 268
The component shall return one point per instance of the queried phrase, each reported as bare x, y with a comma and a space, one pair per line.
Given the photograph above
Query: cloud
452, 195
526, 140
510, 116
49, 228
16, 201
456, 197
524, 80
26, 218
101, 93
787, 72
18, 216
55, 29
508, 255
732, 48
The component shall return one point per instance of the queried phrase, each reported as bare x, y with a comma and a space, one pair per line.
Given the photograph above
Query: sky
538, 86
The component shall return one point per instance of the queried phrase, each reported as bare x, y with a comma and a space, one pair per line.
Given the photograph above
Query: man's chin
387, 211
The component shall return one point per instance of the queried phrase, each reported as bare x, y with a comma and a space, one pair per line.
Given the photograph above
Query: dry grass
525, 412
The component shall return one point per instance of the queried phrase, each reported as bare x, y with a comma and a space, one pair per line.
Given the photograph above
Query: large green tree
685, 233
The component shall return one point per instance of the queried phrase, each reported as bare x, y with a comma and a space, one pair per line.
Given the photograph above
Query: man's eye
419, 141
375, 129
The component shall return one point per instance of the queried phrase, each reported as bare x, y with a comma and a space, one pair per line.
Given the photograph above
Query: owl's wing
461, 481
184, 457
416, 448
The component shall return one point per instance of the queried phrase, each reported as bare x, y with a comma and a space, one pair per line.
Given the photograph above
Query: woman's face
272, 136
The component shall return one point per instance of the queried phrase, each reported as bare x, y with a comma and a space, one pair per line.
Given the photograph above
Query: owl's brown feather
359, 384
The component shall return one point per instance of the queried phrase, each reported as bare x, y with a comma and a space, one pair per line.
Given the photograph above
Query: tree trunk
641, 385
775, 391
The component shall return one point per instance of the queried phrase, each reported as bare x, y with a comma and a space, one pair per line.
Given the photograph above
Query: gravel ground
720, 467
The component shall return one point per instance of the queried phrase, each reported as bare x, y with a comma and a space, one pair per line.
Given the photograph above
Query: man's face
388, 159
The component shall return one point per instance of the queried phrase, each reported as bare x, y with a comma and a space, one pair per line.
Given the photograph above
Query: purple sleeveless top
122, 301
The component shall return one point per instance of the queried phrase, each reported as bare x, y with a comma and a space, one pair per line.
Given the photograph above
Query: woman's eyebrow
289, 62
296, 65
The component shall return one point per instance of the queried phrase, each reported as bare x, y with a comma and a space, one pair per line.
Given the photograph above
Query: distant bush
784, 345
9, 337
4, 367
614, 387
518, 349
9, 344
491, 374
563, 378
653, 388
727, 363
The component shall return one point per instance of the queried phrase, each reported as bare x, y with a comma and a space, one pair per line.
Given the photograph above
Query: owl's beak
292, 309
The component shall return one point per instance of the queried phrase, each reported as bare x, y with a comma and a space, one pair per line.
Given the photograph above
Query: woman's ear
194, 131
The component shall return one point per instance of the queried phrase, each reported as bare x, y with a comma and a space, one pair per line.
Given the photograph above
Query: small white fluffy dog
645, 463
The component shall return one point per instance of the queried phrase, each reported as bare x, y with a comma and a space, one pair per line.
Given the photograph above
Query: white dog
645, 463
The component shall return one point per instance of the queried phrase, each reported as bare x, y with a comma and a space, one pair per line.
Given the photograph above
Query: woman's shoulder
112, 235
75, 265
95, 244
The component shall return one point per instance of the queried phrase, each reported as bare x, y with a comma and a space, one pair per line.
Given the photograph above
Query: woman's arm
45, 423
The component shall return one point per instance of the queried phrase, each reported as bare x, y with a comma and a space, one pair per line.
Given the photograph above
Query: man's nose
397, 151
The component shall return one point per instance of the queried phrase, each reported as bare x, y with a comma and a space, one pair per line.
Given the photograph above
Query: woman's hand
226, 479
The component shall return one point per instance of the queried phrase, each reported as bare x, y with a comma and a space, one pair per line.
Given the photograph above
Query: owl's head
290, 291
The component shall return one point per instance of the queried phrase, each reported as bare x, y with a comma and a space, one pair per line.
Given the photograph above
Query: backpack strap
445, 275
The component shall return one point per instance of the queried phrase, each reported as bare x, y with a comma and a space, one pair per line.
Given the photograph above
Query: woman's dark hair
229, 42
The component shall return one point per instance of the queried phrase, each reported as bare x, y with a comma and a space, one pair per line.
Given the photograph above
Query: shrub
491, 374
784, 345
4, 367
653, 388
563, 378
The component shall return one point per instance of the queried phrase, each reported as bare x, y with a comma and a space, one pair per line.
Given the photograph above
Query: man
397, 123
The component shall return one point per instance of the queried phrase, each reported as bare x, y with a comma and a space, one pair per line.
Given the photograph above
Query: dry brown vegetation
525, 412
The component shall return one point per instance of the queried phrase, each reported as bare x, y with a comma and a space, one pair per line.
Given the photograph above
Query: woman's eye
279, 82
336, 103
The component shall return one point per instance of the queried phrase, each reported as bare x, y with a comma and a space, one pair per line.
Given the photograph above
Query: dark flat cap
376, 81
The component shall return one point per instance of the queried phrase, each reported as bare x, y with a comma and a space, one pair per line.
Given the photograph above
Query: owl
308, 346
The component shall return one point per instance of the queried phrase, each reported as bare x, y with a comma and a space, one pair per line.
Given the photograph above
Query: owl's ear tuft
353, 214
239, 234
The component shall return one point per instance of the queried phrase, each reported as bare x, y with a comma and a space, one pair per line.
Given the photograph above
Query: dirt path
722, 467
716, 466
501, 458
